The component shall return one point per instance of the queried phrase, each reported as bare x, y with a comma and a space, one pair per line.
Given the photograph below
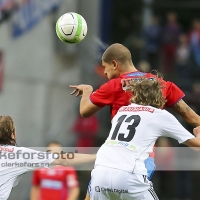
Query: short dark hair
117, 52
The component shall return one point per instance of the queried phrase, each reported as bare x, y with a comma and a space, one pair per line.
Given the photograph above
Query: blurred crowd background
36, 69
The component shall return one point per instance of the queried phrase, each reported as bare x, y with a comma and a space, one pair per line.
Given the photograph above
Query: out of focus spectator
152, 38
194, 40
170, 35
58, 183
182, 64
144, 66
86, 130
122, 22
1, 70
134, 40
7, 7
194, 98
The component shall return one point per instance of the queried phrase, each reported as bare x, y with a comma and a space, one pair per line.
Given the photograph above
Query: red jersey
55, 182
114, 94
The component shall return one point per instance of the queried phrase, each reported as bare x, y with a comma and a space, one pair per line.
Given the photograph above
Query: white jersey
15, 161
134, 132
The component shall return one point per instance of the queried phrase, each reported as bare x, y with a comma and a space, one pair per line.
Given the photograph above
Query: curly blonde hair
148, 92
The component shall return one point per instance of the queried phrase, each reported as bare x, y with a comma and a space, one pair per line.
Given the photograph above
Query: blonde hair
148, 92
7, 128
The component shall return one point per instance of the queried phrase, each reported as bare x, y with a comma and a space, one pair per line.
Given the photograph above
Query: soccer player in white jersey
120, 171
15, 161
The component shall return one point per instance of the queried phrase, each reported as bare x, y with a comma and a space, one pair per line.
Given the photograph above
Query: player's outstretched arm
187, 113
87, 108
194, 143
77, 159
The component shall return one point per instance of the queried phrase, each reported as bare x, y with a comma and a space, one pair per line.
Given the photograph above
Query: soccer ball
71, 28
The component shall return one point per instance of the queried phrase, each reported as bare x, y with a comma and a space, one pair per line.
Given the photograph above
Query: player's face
110, 69
13, 135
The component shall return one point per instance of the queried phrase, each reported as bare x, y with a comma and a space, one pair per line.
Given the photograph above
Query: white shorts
114, 184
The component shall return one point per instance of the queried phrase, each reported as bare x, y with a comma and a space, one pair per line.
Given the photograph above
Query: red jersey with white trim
55, 183
114, 94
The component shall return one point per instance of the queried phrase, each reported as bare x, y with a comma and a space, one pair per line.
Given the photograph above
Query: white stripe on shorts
152, 192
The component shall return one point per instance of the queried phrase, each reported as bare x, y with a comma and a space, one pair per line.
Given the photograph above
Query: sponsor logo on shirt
136, 109
6, 149
51, 184
127, 81
120, 143
136, 74
97, 188
102, 189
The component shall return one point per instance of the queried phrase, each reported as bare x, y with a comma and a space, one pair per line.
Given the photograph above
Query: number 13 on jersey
131, 127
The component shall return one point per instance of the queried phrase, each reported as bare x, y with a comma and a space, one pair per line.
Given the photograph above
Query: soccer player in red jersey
120, 71
58, 182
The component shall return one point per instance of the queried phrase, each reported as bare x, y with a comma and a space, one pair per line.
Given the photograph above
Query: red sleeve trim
175, 101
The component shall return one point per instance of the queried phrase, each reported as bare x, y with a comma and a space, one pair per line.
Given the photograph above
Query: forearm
194, 143
77, 159
85, 99
73, 194
192, 118
186, 113
87, 108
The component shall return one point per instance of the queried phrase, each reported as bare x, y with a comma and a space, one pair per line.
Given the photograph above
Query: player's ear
115, 64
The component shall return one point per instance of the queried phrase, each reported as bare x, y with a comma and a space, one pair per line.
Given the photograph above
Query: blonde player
120, 171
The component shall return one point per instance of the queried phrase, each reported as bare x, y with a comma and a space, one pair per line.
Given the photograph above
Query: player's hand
78, 89
196, 131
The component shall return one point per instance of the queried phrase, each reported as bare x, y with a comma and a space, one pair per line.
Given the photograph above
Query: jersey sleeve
36, 179
173, 94
103, 96
71, 177
172, 128
32, 159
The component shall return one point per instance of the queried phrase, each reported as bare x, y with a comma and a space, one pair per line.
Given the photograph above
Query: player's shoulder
109, 83
153, 76
7, 148
167, 115
150, 75
24, 149
11, 148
